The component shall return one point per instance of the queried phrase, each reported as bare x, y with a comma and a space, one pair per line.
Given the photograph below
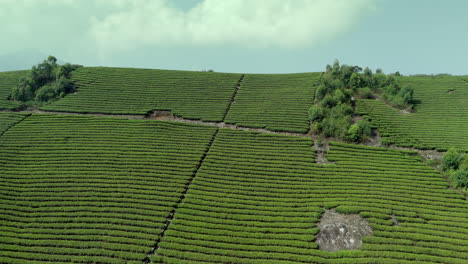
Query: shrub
451, 160
46, 81
316, 113
359, 131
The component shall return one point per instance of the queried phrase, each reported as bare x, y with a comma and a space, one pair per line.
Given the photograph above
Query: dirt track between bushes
321, 149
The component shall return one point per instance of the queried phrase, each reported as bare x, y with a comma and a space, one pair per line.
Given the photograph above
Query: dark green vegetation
91, 190
78, 189
86, 190
46, 81
332, 112
257, 199
455, 165
440, 119
8, 80
9, 119
274, 101
193, 95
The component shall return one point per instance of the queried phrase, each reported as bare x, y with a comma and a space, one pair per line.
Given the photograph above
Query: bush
459, 178
364, 93
451, 160
455, 164
316, 113
46, 81
359, 131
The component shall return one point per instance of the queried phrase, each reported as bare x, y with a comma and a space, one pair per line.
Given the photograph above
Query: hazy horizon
274, 36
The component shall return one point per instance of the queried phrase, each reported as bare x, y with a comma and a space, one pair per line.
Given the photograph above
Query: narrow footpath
426, 154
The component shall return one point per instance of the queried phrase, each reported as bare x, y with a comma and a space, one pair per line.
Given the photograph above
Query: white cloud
76, 29
249, 23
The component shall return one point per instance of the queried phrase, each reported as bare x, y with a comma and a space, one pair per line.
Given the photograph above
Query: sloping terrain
8, 119
439, 122
277, 102
8, 80
91, 190
193, 95
86, 189
106, 189
257, 199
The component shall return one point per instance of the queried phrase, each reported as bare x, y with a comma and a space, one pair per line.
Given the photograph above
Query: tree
451, 159
47, 80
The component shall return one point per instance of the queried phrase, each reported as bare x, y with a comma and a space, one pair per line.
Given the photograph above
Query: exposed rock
341, 231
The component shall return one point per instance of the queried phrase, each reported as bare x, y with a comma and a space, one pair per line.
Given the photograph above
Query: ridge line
171, 215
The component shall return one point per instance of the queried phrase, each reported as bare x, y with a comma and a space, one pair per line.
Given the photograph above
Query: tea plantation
9, 119
278, 102
193, 95
440, 120
8, 80
91, 190
257, 199
82, 188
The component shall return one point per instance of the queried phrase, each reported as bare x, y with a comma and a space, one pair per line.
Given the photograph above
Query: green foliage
99, 190
452, 159
188, 94
440, 119
46, 81
8, 119
276, 102
455, 164
360, 131
339, 84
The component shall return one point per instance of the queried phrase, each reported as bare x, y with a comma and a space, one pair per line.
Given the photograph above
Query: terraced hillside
274, 101
277, 102
83, 189
193, 95
257, 199
91, 190
440, 120
8, 80
8, 119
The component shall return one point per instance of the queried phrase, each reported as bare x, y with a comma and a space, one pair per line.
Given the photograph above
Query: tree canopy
46, 81
333, 111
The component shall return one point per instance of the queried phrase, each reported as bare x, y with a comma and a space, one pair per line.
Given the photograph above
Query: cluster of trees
46, 81
333, 109
455, 165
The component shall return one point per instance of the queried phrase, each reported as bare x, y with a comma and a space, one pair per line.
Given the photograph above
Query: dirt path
321, 150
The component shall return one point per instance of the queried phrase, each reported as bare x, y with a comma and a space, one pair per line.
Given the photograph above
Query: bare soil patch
375, 139
341, 231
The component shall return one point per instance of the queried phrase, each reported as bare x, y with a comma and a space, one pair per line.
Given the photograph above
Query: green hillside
84, 186
91, 190
194, 95
274, 101
8, 119
440, 120
257, 199
8, 80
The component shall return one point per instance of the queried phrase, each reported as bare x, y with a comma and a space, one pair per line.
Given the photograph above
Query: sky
246, 36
